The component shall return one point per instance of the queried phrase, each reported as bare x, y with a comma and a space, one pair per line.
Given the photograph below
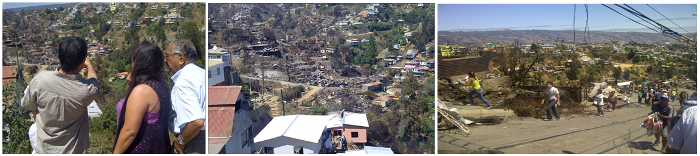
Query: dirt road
309, 94
625, 66
617, 132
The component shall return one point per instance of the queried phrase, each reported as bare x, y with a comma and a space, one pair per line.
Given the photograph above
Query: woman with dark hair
142, 126
476, 88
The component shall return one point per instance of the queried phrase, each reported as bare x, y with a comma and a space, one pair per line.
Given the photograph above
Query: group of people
59, 99
679, 132
651, 95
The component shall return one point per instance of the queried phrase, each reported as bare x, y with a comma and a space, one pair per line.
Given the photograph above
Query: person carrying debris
476, 88
598, 102
663, 111
552, 94
682, 97
612, 98
59, 101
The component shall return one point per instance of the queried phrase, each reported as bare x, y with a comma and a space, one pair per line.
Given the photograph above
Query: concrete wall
241, 123
278, 142
216, 77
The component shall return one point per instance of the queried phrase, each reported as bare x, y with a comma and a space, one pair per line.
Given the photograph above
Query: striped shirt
62, 101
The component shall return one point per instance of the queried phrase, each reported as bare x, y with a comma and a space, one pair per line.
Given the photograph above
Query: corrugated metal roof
355, 119
220, 120
307, 128
223, 95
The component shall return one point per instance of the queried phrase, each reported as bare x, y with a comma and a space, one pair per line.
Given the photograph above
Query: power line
667, 18
673, 11
634, 20
636, 13
688, 13
663, 28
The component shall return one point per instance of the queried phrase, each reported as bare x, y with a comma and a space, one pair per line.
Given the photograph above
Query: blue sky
10, 5
561, 17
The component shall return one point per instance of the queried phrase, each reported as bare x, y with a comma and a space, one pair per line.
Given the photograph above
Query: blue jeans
480, 92
552, 107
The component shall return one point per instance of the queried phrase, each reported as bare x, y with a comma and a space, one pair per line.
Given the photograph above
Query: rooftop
214, 63
307, 128
221, 95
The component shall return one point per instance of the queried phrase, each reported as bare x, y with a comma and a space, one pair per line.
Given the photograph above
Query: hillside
545, 36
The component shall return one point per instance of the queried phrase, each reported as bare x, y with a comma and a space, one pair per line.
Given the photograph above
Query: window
209, 73
337, 132
354, 134
268, 150
298, 150
218, 71
247, 136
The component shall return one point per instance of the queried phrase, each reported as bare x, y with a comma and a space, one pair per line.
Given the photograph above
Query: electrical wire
667, 18
672, 11
635, 20
663, 28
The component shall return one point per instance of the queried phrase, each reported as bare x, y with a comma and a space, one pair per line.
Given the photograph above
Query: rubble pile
456, 93
529, 104
524, 103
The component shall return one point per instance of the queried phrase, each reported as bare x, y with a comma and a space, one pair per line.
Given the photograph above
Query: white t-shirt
552, 93
599, 96
684, 136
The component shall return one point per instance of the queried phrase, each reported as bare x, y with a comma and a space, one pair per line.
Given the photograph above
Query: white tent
624, 83
93, 110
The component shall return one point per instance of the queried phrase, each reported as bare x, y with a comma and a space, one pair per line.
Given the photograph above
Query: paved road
616, 133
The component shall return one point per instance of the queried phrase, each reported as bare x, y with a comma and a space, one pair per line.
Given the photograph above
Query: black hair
471, 74
148, 64
72, 52
550, 82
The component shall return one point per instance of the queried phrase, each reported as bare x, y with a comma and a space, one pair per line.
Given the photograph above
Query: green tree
15, 119
574, 71
534, 47
190, 30
631, 54
617, 73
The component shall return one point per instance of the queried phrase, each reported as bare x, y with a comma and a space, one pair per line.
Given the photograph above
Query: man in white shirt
683, 138
187, 120
552, 94
598, 102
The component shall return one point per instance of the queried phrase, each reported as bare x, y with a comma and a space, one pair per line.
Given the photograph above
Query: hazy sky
561, 17
10, 5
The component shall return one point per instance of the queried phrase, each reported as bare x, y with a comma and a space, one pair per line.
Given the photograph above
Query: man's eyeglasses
168, 55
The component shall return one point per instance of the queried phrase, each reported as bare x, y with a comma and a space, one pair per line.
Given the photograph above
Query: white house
303, 134
230, 129
218, 59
